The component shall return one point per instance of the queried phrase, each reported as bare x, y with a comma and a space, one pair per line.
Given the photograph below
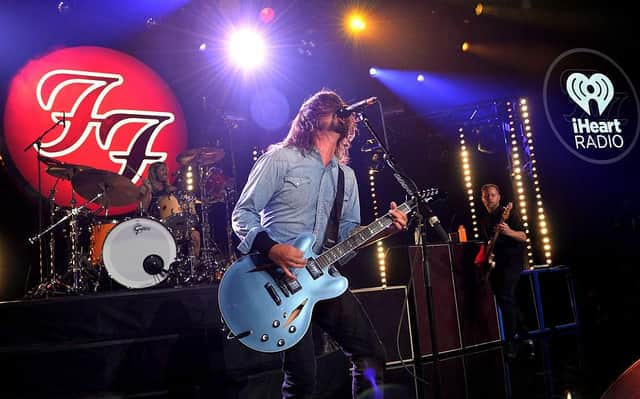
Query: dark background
592, 209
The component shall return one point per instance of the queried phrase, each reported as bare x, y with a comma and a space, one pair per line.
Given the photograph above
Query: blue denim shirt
289, 193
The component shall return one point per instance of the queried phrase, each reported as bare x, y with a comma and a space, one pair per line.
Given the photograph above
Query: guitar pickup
314, 270
293, 285
273, 294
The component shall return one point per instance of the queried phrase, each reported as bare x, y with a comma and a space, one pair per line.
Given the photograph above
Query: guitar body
266, 311
252, 312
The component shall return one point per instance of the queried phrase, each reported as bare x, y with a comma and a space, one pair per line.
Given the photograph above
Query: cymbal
65, 170
118, 190
202, 155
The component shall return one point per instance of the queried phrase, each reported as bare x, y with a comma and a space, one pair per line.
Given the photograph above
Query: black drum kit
170, 243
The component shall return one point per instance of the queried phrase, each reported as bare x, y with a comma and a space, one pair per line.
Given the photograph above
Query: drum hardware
74, 264
200, 156
231, 124
65, 171
116, 190
37, 143
209, 248
54, 284
178, 211
97, 234
139, 253
229, 200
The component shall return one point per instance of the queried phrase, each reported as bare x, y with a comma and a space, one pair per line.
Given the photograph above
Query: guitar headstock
428, 195
432, 194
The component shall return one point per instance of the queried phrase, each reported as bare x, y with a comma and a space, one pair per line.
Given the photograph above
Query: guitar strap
331, 234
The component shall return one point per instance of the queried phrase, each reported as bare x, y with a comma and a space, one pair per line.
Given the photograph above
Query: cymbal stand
37, 143
53, 285
74, 264
191, 256
208, 247
71, 214
229, 198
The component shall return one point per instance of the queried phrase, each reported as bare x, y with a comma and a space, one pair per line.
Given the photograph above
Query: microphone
356, 107
435, 223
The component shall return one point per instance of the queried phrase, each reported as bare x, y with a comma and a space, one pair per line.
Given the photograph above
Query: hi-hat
118, 190
202, 156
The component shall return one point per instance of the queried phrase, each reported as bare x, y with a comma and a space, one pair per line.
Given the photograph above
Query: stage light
202, 47
373, 71
246, 48
63, 7
151, 23
466, 171
267, 14
379, 245
479, 8
420, 77
357, 23
465, 47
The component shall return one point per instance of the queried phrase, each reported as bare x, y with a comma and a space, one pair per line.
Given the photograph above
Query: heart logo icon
582, 90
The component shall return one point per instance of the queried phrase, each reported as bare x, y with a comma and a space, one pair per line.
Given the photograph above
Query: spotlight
357, 23
479, 8
465, 47
267, 14
151, 23
246, 48
202, 47
373, 71
63, 7
420, 77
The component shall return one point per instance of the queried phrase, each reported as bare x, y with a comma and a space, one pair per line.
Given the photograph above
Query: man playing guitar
508, 257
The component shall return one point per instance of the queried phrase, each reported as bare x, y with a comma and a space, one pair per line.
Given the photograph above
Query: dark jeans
504, 281
345, 320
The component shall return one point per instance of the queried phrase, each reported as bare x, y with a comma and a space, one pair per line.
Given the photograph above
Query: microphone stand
423, 212
38, 143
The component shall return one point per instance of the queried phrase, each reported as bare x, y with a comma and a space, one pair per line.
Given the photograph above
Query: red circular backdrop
119, 117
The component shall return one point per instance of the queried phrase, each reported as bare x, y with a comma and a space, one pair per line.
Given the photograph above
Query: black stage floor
160, 343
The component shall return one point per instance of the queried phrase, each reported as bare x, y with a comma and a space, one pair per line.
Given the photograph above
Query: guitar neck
337, 252
503, 218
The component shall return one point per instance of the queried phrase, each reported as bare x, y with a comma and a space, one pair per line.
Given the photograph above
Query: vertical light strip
189, 176
380, 249
468, 184
543, 228
517, 179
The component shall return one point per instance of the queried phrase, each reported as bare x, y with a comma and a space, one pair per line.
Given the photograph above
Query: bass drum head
138, 253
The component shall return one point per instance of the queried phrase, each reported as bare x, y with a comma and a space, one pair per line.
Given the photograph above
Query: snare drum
138, 252
179, 213
98, 233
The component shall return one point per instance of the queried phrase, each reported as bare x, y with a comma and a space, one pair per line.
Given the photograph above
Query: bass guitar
489, 263
267, 311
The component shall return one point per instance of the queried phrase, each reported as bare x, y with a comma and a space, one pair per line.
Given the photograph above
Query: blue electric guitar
268, 312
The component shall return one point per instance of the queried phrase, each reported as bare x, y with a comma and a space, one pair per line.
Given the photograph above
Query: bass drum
138, 252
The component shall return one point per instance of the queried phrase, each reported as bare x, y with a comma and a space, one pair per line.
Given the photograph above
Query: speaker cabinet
388, 311
464, 310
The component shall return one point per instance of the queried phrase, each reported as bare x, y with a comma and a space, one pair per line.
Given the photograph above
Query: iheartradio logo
591, 106
118, 115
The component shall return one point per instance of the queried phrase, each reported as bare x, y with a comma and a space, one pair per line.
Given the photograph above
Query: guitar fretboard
337, 252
